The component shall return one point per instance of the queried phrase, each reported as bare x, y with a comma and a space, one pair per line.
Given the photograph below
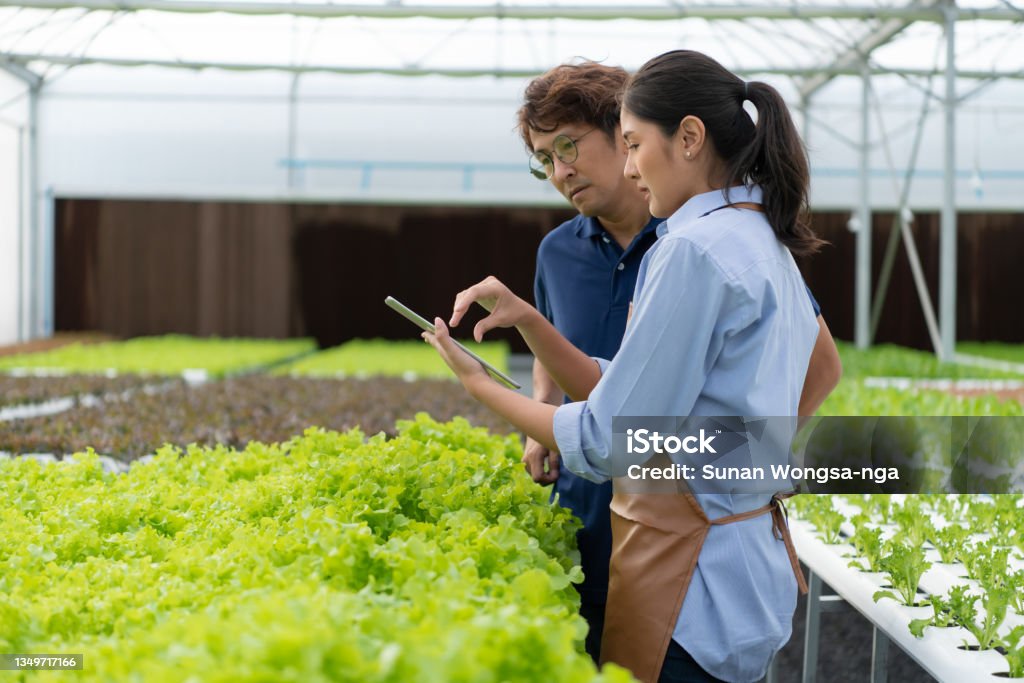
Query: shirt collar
588, 226
591, 227
702, 204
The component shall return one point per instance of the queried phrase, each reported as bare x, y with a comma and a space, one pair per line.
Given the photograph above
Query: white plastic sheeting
13, 120
150, 132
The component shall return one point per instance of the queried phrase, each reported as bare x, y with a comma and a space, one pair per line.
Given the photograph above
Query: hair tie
746, 90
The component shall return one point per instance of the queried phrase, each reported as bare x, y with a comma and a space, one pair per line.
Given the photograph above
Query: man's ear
617, 141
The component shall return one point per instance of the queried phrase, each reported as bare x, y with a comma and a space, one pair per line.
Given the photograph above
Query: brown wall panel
244, 270
278, 270
990, 249
348, 263
991, 262
75, 261
148, 267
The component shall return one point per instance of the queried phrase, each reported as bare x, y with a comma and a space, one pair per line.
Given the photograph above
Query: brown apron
656, 539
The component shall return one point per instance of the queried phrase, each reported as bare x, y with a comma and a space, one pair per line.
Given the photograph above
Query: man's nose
562, 169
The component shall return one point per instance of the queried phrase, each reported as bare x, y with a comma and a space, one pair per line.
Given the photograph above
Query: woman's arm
531, 417
574, 371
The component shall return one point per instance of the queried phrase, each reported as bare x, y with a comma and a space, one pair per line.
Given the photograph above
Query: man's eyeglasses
542, 166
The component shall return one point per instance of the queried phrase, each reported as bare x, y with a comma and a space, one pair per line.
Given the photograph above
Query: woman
721, 326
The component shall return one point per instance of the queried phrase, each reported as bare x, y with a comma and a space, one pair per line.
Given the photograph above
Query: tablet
426, 326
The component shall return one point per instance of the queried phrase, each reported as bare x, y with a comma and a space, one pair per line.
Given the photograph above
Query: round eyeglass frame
542, 166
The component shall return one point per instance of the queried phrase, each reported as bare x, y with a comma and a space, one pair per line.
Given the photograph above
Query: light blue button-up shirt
721, 326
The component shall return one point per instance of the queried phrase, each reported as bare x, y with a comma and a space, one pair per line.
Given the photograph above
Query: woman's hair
684, 83
587, 92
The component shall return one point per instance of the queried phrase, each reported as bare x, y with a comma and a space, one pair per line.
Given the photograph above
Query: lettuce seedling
825, 518
904, 566
949, 542
1014, 651
965, 614
868, 543
992, 569
942, 616
914, 525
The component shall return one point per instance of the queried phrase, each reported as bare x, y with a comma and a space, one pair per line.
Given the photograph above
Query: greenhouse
223, 457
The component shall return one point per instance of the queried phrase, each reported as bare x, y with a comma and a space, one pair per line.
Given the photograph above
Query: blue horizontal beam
993, 174
362, 165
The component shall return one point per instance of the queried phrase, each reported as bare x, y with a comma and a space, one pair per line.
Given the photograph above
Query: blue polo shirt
584, 284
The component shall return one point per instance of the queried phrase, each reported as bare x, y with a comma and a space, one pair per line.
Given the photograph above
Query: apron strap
780, 530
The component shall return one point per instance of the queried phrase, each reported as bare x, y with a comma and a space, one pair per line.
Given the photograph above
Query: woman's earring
687, 155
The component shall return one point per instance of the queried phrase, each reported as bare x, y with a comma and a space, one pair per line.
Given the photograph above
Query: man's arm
823, 372
542, 463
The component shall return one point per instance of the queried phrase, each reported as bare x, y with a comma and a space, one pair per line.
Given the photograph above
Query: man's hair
587, 92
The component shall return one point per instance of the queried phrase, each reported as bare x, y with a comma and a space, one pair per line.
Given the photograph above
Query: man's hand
535, 457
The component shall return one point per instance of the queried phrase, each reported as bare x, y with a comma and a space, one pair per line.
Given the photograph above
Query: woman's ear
690, 137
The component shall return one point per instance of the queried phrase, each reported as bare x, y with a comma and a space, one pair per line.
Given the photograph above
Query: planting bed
235, 411
430, 556
27, 390
1013, 353
941, 576
887, 360
410, 359
168, 355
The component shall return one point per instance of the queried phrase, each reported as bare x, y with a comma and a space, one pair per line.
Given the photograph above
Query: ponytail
776, 160
770, 154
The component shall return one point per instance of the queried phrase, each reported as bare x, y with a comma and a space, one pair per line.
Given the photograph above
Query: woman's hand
507, 309
469, 372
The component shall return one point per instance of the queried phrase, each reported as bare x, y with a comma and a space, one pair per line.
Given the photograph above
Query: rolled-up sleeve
685, 306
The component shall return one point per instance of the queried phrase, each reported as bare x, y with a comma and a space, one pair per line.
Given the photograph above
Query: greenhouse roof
807, 42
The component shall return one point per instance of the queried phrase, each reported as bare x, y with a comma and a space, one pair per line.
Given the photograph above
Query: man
586, 273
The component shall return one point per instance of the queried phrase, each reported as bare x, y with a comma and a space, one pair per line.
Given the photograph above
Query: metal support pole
49, 228
947, 242
885, 275
432, 10
22, 225
33, 255
293, 127
813, 622
879, 656
862, 298
27, 181
921, 285
805, 119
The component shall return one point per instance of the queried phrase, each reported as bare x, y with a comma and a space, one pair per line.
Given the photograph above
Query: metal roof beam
501, 11
68, 60
20, 71
879, 36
